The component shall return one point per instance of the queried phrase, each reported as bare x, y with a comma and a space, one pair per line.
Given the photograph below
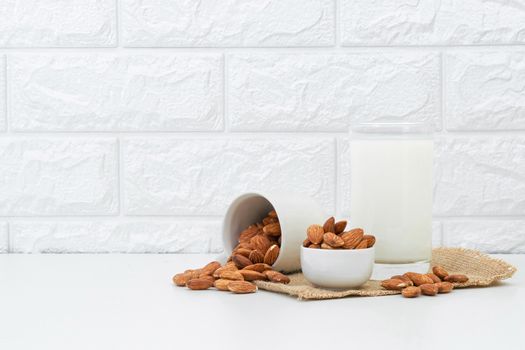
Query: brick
58, 176
116, 93
324, 92
222, 23
171, 176
3, 103
484, 90
52, 23
437, 234
480, 176
129, 236
433, 22
491, 236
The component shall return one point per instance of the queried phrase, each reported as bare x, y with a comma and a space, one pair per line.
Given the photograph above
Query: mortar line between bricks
118, 24
217, 217
336, 176
225, 116
127, 218
182, 135
120, 178
451, 218
328, 49
337, 24
237, 134
442, 91
6, 95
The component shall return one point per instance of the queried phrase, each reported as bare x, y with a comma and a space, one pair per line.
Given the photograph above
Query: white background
128, 126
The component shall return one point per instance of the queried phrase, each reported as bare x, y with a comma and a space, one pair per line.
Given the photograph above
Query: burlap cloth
481, 269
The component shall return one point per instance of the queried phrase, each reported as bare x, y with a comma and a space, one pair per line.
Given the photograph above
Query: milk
391, 196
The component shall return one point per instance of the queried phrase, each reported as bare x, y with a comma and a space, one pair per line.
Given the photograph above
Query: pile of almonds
412, 284
251, 260
332, 235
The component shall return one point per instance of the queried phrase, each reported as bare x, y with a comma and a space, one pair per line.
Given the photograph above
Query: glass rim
393, 128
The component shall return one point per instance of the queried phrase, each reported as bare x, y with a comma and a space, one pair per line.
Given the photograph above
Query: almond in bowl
334, 258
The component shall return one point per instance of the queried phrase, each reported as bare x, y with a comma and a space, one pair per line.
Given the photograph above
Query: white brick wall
228, 23
129, 125
326, 92
91, 92
58, 23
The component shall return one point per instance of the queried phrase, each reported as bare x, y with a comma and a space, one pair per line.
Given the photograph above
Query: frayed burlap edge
481, 269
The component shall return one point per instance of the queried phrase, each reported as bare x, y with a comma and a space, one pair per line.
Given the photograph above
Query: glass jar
391, 193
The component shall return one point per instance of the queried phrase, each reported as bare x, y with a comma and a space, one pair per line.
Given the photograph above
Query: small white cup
295, 212
337, 268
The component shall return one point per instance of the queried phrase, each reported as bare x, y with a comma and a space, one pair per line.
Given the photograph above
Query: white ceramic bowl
295, 212
337, 268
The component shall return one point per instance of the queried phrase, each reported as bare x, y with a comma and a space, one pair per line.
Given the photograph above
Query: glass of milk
391, 193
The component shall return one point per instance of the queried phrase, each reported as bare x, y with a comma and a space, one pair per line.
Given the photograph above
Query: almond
272, 229
231, 264
258, 267
315, 234
246, 245
339, 227
440, 271
333, 240
199, 284
418, 279
242, 287
429, 289
222, 284
411, 292
269, 220
241, 261
405, 279
370, 239
434, 278
261, 243
277, 277
325, 246
329, 225
227, 267
271, 255
248, 233
231, 275
181, 279
362, 245
243, 251
352, 238
306, 242
250, 275
314, 246
393, 284
445, 287
207, 277
256, 256
193, 273
272, 214
210, 268
456, 278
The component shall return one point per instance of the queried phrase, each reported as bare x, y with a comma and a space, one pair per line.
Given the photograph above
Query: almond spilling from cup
251, 260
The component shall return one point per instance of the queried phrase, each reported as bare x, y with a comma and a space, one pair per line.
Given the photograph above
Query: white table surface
128, 302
